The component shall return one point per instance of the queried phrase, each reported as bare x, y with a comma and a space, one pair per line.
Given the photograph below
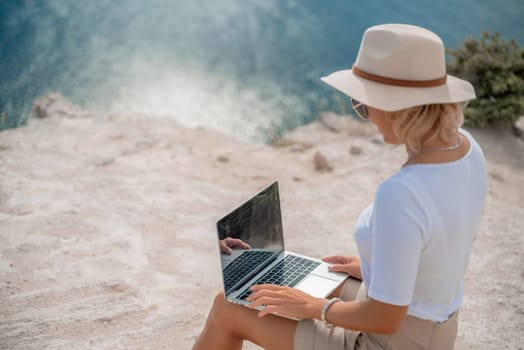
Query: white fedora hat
400, 66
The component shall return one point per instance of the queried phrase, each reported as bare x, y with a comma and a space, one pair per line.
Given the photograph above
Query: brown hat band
399, 82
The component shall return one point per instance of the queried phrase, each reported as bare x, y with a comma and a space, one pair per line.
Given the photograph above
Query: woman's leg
228, 324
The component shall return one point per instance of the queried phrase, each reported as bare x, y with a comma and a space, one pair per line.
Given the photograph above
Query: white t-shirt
415, 239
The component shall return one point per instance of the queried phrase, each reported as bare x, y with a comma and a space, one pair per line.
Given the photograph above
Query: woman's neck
436, 151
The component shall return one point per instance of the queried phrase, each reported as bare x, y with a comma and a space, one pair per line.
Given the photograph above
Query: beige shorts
414, 333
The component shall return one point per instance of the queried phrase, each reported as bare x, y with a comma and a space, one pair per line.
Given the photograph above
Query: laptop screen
250, 236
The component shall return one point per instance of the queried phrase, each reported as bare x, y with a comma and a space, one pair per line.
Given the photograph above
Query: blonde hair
417, 126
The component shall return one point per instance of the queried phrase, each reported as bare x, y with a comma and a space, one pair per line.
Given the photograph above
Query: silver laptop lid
250, 237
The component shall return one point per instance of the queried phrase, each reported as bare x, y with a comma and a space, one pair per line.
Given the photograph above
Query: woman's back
425, 213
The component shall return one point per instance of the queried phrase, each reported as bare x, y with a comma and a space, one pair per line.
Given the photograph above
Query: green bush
496, 69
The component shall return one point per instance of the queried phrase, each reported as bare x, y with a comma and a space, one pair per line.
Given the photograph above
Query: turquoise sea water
249, 68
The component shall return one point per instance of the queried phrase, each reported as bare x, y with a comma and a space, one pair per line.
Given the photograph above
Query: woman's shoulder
399, 185
410, 182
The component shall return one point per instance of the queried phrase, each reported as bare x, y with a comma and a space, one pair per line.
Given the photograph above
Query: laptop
251, 244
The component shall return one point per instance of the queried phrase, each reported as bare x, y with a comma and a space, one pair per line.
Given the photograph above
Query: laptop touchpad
317, 286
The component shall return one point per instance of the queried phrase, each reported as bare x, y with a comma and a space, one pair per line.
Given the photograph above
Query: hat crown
400, 66
400, 51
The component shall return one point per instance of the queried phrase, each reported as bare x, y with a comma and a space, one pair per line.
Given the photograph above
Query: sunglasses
360, 109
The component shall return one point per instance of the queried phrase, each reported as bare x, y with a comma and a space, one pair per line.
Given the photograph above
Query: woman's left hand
285, 301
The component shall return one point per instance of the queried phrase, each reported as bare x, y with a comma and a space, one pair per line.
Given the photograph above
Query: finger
265, 301
258, 287
338, 268
234, 242
238, 243
334, 259
265, 293
268, 310
242, 245
275, 296
224, 248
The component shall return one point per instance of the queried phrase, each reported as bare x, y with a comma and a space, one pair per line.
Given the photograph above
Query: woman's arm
368, 315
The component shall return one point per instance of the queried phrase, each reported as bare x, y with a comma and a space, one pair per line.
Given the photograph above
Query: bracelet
325, 309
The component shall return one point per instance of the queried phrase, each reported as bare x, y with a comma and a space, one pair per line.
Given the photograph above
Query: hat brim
393, 98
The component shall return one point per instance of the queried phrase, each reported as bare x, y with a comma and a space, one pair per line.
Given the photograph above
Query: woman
414, 240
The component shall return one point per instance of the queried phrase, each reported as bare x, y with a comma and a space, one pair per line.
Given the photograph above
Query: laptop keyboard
288, 272
242, 265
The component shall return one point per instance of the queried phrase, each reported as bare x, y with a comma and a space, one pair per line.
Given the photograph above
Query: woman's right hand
346, 264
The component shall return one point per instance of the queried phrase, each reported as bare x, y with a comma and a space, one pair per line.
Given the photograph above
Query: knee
219, 310
220, 300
